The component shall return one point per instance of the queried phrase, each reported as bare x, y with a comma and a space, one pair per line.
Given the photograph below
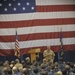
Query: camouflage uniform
49, 55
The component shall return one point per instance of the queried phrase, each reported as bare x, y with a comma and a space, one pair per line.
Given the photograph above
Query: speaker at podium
34, 53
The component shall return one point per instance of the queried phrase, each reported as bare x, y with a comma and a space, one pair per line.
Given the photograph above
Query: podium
33, 53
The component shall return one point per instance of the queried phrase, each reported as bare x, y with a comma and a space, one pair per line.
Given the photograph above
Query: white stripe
37, 15
37, 29
55, 2
37, 43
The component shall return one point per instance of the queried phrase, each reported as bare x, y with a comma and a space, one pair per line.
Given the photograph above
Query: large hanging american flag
38, 24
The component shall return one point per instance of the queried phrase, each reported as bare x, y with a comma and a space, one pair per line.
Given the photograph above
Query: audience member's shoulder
44, 73
59, 73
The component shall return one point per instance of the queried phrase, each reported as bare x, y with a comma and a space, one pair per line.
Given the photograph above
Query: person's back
5, 71
15, 71
10, 72
56, 67
18, 65
35, 71
44, 73
35, 65
52, 70
61, 64
68, 71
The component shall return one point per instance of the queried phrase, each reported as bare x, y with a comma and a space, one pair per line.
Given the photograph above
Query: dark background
68, 56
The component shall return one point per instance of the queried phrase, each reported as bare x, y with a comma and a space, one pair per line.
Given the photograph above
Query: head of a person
52, 67
27, 59
68, 63
61, 59
24, 70
5, 70
11, 66
5, 64
67, 67
35, 63
35, 70
14, 69
48, 48
22, 62
56, 64
13, 62
44, 60
59, 73
43, 66
49, 64
17, 61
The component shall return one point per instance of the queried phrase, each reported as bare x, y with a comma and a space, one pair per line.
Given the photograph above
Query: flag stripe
37, 15
37, 36
15, 24
52, 8
23, 51
37, 29
36, 43
55, 2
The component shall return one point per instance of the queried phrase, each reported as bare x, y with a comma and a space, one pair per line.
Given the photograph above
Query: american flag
17, 47
38, 24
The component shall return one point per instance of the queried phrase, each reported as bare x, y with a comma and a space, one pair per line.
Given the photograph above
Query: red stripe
40, 22
54, 48
37, 36
25, 51
50, 8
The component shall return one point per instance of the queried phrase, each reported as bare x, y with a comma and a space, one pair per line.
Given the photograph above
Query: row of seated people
45, 68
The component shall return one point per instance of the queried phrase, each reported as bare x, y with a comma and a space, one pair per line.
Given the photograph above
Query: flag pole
61, 43
60, 52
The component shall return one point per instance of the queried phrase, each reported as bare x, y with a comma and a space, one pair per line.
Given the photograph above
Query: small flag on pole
17, 47
61, 43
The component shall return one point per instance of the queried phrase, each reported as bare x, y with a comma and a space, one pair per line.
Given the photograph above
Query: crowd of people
25, 67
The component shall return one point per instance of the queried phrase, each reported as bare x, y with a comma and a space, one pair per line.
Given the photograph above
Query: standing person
49, 54
18, 65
